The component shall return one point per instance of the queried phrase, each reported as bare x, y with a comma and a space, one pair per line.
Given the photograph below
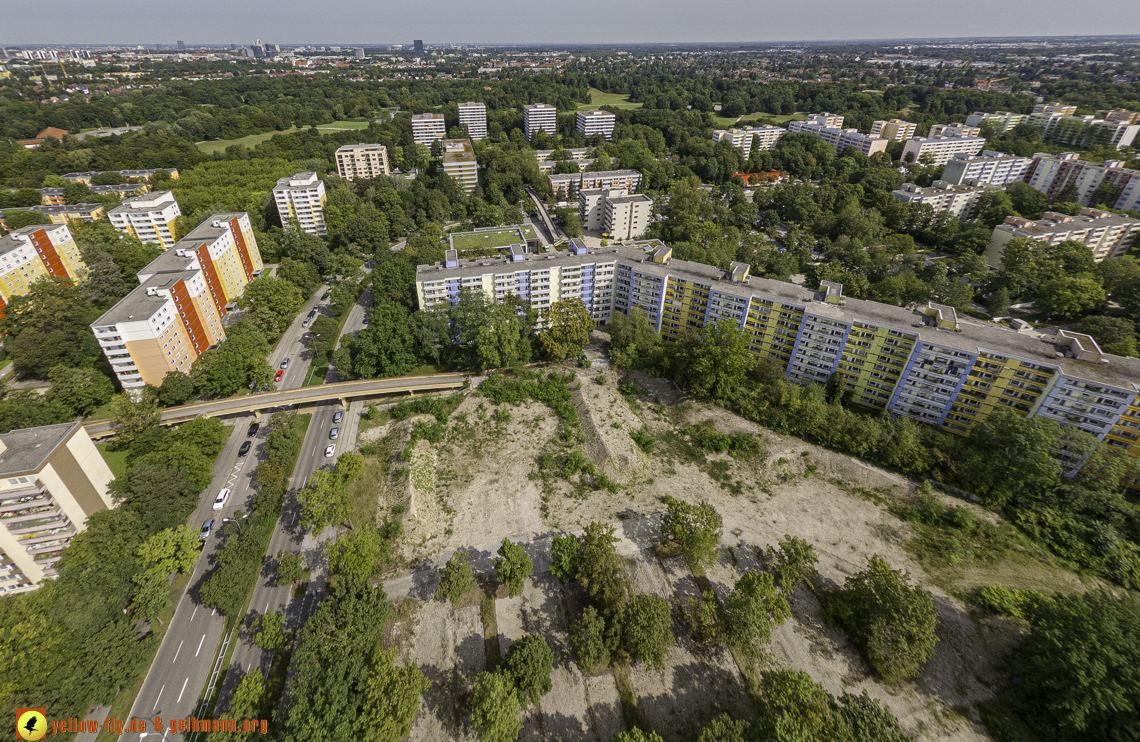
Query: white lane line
214, 612
160, 690
195, 613
200, 644
177, 651
266, 606
184, 682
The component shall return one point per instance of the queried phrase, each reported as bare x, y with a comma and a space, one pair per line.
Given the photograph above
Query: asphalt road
181, 668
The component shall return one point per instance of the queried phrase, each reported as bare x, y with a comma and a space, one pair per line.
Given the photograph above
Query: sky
546, 22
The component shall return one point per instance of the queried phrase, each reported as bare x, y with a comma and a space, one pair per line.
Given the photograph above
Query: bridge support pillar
257, 414
343, 401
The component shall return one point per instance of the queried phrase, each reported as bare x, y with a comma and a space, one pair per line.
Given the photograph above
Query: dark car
244, 448
253, 428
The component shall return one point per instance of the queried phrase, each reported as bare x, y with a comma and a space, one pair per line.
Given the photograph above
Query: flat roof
494, 237
155, 200
972, 335
139, 306
28, 449
458, 150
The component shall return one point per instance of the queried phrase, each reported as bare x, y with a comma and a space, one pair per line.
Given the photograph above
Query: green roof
491, 238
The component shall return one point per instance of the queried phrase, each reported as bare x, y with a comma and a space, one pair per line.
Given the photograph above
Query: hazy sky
542, 21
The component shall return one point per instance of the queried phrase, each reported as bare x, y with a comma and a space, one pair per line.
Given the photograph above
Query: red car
277, 376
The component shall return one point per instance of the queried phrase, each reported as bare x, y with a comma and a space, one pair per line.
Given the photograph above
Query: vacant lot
485, 481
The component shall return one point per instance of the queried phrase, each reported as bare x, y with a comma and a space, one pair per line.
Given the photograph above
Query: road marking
160, 690
214, 612
195, 613
267, 606
184, 682
177, 651
200, 644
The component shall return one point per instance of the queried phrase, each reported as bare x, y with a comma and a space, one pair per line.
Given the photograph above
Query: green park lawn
217, 145
598, 98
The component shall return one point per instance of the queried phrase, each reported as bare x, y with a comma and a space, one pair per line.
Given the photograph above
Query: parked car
220, 500
284, 364
207, 528
365, 322
244, 449
326, 296
253, 428
338, 416
330, 450
277, 376
307, 322
334, 434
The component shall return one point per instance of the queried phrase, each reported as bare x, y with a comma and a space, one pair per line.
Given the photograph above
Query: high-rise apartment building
301, 198
592, 123
1120, 116
31, 253
955, 198
51, 479
926, 364
1106, 235
764, 137
474, 116
428, 127
176, 312
614, 212
841, 139
362, 161
539, 116
895, 130
829, 120
940, 149
459, 162
149, 217
954, 130
1004, 119
994, 168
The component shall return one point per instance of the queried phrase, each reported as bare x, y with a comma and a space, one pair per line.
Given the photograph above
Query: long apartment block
927, 364
63, 214
941, 195
142, 175
149, 217
568, 184
940, 150
300, 199
896, 130
176, 312
764, 136
51, 479
839, 138
31, 253
1105, 234
1052, 174
994, 168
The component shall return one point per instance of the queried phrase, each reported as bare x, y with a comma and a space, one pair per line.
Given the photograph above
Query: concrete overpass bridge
257, 403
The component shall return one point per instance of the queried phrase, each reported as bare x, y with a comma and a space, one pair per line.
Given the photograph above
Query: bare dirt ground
482, 484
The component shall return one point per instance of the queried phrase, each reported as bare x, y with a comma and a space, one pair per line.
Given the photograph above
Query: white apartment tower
474, 116
538, 116
459, 162
940, 149
301, 198
150, 217
591, 123
742, 138
993, 168
362, 161
428, 127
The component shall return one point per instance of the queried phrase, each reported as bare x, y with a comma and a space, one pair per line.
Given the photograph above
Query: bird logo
31, 724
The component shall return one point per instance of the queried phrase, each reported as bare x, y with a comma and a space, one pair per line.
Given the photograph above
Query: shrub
456, 579
793, 563
644, 439
703, 617
708, 439
587, 639
696, 528
564, 557
724, 729
751, 609
529, 662
647, 630
600, 570
1007, 602
512, 567
495, 708
892, 623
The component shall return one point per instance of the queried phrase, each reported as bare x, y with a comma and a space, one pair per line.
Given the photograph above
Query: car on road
244, 449
365, 322
334, 434
307, 322
338, 416
207, 528
220, 500
277, 376
253, 428
284, 364
330, 450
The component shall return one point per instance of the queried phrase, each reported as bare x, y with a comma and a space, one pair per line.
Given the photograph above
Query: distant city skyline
357, 22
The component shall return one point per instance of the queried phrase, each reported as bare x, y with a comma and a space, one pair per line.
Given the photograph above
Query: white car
330, 450
220, 500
